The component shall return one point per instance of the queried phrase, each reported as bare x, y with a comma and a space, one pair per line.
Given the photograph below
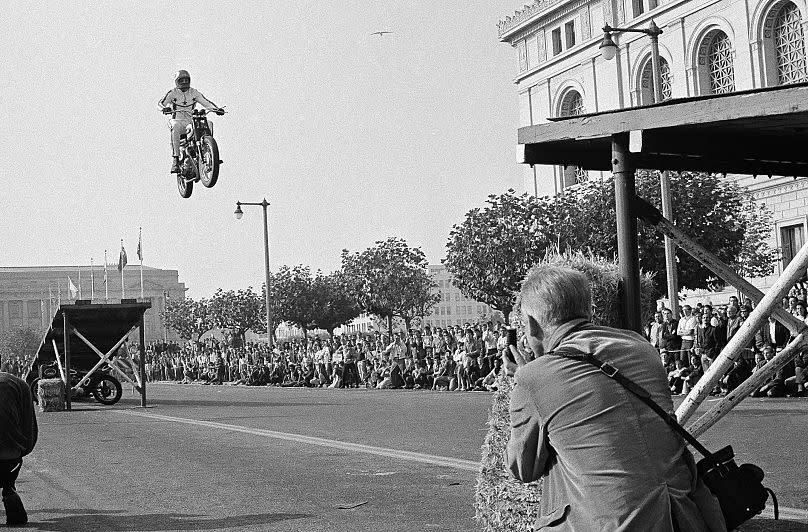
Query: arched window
716, 68
789, 44
646, 92
573, 105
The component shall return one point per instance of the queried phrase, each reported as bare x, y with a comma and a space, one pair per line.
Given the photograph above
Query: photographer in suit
18, 435
608, 461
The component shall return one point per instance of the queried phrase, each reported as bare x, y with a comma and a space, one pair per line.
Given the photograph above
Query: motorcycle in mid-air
199, 154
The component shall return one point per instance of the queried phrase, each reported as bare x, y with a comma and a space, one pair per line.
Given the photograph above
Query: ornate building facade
707, 47
30, 296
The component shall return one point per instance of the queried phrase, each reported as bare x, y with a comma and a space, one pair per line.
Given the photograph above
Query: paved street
227, 458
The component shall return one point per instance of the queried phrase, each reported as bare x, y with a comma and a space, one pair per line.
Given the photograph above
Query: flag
72, 288
139, 247
122, 259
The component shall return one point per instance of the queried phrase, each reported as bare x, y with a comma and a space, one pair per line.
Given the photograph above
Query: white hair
555, 294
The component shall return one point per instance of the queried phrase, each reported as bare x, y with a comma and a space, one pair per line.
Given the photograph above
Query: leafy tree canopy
189, 318
489, 253
239, 311
390, 279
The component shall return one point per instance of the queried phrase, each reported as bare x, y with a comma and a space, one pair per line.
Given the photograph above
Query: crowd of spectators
689, 345
15, 364
453, 358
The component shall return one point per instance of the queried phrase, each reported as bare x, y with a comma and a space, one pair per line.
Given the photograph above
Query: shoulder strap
613, 373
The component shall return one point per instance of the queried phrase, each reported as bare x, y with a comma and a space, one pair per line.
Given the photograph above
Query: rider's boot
175, 166
15, 511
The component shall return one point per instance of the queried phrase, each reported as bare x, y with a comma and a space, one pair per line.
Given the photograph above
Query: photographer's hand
520, 357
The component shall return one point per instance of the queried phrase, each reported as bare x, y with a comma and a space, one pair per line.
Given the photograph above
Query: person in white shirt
686, 330
180, 102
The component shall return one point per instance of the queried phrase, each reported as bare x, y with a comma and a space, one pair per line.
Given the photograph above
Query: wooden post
627, 252
142, 336
66, 349
753, 323
670, 247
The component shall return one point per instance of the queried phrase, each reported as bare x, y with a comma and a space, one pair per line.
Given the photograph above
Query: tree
716, 212
293, 289
491, 251
390, 279
189, 318
333, 302
238, 311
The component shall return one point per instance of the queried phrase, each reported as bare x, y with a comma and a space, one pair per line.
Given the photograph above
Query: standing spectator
18, 436
669, 342
706, 342
655, 330
686, 330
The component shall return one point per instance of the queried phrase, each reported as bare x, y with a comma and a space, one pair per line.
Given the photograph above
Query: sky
352, 138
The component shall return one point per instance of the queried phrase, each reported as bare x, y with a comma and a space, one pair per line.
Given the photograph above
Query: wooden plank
789, 102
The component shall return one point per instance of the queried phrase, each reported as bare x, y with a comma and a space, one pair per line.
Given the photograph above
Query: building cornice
510, 26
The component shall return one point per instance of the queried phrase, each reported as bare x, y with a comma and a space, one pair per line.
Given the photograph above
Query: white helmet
182, 80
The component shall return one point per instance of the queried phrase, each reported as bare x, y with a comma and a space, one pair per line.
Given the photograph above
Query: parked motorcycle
102, 385
199, 154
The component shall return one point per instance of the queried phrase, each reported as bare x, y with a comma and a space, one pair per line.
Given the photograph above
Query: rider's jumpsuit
182, 103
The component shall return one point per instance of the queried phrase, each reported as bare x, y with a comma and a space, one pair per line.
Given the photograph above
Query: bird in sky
380, 33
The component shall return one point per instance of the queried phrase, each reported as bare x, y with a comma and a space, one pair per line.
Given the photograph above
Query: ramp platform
86, 336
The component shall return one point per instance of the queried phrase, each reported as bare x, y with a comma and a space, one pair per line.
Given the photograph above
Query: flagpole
59, 295
121, 267
50, 301
106, 285
79, 282
140, 256
92, 280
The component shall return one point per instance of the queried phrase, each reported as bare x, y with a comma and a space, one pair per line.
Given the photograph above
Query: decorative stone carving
586, 26
522, 55
541, 44
526, 13
608, 15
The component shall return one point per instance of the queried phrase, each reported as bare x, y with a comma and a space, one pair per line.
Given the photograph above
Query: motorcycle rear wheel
209, 165
107, 390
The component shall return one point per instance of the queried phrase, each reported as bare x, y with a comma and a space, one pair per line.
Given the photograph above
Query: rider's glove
167, 110
220, 112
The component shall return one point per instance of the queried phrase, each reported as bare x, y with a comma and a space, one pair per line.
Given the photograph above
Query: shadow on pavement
770, 525
86, 520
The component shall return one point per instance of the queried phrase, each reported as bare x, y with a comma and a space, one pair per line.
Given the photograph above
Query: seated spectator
693, 375
445, 376
677, 376
488, 383
775, 385
739, 372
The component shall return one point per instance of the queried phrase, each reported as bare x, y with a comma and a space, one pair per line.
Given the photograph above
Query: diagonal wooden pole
711, 417
732, 350
771, 301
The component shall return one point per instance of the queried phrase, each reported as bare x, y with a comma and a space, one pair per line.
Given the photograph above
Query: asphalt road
237, 458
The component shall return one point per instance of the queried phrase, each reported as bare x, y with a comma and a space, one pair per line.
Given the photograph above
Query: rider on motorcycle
180, 102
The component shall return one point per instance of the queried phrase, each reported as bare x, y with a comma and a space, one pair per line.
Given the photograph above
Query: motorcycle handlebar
199, 111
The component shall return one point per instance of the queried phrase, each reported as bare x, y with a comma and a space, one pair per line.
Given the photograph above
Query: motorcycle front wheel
185, 187
107, 390
209, 166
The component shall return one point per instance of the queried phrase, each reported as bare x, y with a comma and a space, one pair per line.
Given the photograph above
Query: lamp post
608, 49
239, 213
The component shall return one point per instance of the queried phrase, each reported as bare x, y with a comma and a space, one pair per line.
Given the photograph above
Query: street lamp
238, 214
608, 49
